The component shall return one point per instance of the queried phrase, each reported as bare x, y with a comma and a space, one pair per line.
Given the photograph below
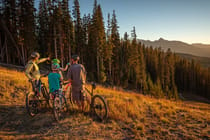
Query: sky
183, 20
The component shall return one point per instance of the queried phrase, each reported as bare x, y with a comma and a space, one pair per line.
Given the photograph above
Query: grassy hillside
131, 116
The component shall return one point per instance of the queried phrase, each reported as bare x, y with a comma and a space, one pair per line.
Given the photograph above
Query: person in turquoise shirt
54, 79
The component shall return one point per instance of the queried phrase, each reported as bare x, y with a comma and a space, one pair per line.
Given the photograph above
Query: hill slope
130, 116
179, 47
203, 61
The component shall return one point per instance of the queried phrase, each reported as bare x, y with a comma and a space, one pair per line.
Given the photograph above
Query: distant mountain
197, 49
199, 45
204, 61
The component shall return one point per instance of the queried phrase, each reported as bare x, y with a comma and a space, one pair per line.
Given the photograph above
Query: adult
32, 69
77, 75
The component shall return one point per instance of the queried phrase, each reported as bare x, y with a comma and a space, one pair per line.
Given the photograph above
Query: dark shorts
78, 95
36, 84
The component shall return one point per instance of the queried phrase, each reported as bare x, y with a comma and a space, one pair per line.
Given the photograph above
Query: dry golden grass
131, 116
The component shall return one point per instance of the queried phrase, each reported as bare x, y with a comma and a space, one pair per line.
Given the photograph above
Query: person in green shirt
32, 69
54, 79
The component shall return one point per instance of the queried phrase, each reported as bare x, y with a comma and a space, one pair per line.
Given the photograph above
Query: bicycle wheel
46, 95
60, 107
99, 107
32, 104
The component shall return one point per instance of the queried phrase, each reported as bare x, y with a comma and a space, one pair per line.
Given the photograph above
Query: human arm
65, 69
61, 75
69, 75
43, 60
83, 76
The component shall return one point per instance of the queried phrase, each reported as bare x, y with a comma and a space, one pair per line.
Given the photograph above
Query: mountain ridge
197, 49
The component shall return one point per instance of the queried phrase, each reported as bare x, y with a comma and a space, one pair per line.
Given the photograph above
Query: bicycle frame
90, 92
66, 85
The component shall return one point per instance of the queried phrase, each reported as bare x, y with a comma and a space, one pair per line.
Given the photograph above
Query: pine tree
108, 51
27, 37
96, 44
78, 28
115, 38
43, 27
68, 29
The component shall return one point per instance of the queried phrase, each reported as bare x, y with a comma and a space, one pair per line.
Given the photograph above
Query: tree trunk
97, 59
2, 23
69, 52
110, 69
55, 43
7, 54
2, 48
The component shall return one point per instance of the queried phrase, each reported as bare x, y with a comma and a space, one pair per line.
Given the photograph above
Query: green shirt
54, 81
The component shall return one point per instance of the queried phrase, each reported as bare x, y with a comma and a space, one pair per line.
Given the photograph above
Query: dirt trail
16, 124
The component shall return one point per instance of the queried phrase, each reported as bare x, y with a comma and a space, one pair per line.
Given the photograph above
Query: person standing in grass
77, 75
54, 79
32, 70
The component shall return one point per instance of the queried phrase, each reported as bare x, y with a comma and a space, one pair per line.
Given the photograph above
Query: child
60, 69
54, 79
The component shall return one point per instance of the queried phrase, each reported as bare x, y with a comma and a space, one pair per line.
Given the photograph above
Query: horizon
181, 20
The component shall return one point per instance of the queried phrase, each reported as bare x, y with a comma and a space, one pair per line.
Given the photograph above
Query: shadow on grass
14, 121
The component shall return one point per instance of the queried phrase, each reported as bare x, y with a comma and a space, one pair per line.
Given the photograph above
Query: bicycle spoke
99, 107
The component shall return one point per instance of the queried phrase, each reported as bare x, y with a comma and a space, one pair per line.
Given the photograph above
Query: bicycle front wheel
32, 104
98, 105
60, 107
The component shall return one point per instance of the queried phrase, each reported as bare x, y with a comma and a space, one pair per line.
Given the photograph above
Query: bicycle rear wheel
99, 107
46, 95
60, 107
32, 104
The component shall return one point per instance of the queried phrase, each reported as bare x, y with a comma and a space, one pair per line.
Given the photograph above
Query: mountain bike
60, 106
38, 98
55, 100
97, 106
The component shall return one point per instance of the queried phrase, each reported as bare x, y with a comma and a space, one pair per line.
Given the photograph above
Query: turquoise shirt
54, 81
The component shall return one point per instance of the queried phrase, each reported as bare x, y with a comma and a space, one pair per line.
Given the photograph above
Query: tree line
54, 30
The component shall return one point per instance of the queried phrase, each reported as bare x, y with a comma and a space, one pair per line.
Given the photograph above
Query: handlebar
66, 82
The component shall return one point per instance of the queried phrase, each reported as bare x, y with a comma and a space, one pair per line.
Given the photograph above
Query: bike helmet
35, 54
75, 57
55, 66
56, 61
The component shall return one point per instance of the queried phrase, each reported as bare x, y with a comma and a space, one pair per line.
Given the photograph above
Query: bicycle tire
32, 104
99, 107
60, 107
46, 95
